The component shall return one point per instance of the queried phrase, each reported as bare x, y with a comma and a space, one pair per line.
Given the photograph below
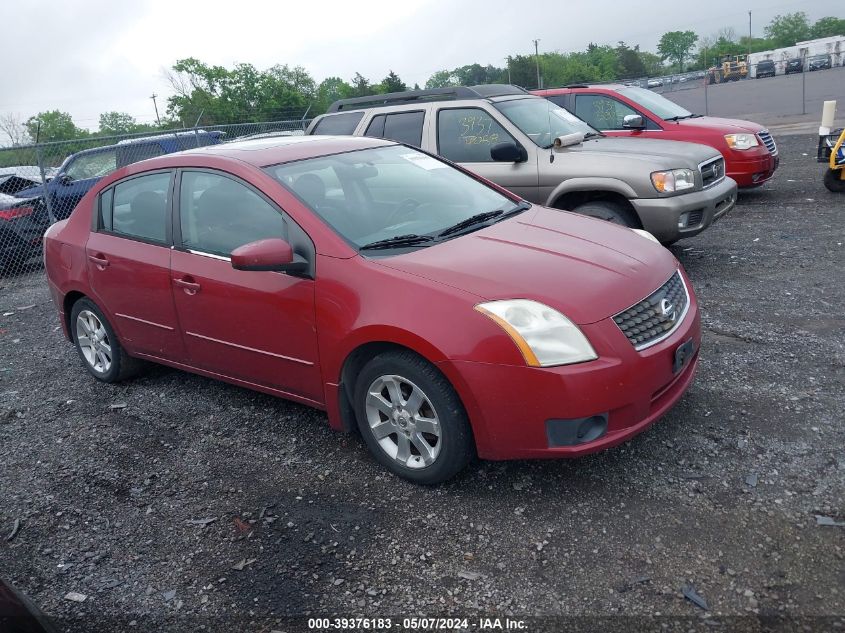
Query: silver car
549, 156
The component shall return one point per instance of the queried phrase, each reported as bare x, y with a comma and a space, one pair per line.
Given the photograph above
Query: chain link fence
41, 184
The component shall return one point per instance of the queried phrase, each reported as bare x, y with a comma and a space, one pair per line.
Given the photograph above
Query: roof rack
451, 93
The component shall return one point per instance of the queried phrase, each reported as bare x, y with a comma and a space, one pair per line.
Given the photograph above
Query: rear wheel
608, 211
411, 418
98, 347
833, 180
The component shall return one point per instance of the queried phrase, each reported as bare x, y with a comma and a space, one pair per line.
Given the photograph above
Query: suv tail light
16, 212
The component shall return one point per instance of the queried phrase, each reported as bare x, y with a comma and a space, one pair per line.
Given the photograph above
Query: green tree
392, 83
441, 79
652, 63
330, 90
676, 46
786, 30
53, 126
113, 123
828, 27
629, 62
361, 86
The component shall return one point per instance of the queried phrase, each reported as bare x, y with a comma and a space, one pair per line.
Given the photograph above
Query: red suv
751, 156
437, 313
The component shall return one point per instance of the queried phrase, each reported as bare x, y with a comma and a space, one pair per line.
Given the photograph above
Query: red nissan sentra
437, 313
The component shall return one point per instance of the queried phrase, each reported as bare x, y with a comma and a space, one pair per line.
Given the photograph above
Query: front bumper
661, 216
751, 170
510, 406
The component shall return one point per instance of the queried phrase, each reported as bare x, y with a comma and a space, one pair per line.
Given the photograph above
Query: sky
91, 56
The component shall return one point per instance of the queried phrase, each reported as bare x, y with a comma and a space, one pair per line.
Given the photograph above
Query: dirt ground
173, 502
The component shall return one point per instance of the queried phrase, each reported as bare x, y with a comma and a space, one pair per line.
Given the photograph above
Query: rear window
338, 123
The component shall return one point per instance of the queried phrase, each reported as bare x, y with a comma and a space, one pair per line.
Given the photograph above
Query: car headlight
673, 180
543, 335
741, 141
646, 235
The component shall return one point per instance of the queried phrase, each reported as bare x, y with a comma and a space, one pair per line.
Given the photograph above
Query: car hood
588, 269
652, 151
722, 126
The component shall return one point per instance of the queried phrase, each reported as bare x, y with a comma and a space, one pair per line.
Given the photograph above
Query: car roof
262, 152
488, 92
574, 87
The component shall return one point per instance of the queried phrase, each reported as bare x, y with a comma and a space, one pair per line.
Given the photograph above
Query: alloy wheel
93, 341
403, 421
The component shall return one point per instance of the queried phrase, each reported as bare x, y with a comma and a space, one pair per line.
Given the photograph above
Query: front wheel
608, 211
833, 180
411, 418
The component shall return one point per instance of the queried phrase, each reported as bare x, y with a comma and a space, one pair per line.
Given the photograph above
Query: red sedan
437, 313
751, 155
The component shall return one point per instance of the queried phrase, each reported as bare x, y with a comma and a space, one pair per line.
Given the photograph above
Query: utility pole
749, 33
155, 105
537, 59
508, 60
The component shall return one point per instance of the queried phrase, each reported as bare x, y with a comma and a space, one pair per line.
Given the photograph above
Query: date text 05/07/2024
417, 624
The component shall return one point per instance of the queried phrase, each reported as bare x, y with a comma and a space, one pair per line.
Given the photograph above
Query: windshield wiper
521, 206
398, 241
678, 118
478, 218
592, 134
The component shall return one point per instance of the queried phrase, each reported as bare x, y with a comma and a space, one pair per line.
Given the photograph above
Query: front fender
591, 184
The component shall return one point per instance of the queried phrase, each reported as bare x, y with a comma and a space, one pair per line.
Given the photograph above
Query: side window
106, 200
338, 123
133, 152
376, 127
140, 207
405, 127
217, 214
465, 135
92, 165
603, 113
558, 100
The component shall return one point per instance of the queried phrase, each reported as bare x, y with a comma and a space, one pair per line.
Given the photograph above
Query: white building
834, 47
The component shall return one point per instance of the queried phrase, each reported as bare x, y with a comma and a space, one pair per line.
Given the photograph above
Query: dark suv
765, 68
794, 65
80, 171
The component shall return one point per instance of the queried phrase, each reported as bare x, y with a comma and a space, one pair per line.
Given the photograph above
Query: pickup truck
549, 156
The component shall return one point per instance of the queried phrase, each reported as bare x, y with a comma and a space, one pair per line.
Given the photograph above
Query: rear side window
138, 208
132, 153
466, 135
402, 127
343, 124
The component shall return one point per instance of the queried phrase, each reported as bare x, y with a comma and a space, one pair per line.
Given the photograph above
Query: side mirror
65, 179
508, 152
569, 139
633, 122
268, 255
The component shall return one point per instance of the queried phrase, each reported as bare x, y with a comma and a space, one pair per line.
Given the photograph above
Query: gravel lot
184, 502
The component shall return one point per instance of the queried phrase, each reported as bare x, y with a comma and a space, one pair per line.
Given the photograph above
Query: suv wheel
609, 211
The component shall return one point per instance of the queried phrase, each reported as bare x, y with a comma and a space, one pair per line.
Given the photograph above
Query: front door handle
188, 285
100, 260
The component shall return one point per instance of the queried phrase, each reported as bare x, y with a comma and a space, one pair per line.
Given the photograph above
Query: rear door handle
190, 287
99, 260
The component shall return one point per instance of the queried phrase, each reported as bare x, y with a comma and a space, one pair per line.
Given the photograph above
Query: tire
608, 211
833, 181
106, 360
399, 394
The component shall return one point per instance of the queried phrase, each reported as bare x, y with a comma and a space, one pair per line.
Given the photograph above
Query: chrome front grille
769, 142
657, 316
712, 172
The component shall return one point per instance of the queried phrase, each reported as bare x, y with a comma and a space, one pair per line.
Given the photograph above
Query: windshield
542, 121
658, 104
381, 193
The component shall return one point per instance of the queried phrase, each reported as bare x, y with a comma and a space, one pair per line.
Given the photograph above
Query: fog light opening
683, 221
